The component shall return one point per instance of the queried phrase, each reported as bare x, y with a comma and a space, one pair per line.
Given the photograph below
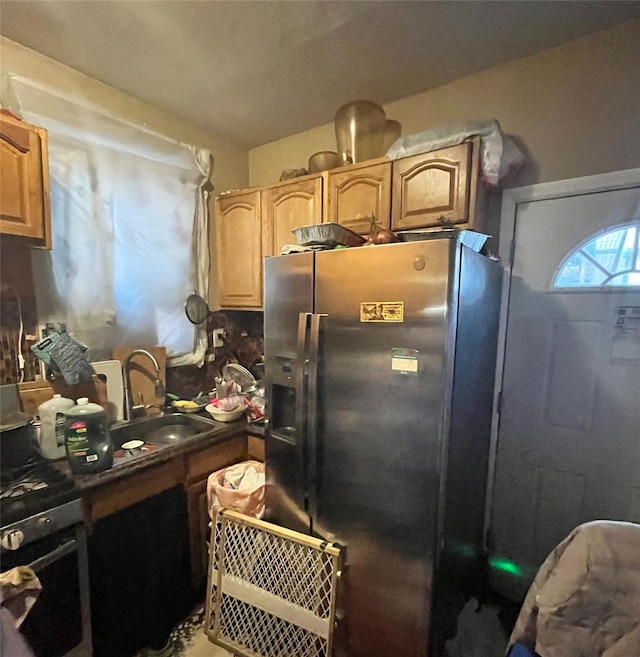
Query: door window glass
610, 258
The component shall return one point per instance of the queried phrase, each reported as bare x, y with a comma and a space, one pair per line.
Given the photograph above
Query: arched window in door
610, 258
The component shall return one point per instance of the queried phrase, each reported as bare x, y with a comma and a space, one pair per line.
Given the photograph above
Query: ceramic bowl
224, 416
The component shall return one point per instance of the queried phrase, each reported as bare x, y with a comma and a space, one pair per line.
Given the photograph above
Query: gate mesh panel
297, 579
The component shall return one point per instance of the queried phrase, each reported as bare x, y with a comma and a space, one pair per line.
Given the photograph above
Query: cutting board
112, 370
33, 393
142, 374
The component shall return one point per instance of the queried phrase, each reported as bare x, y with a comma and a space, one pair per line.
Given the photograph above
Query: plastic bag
237, 487
500, 157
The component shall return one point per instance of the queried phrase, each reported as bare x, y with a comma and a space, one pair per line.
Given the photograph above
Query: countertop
219, 432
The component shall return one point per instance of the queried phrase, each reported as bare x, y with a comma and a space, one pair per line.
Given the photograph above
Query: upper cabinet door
24, 182
433, 189
354, 194
239, 250
285, 207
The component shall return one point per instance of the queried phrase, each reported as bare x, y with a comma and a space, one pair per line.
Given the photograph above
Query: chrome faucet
132, 410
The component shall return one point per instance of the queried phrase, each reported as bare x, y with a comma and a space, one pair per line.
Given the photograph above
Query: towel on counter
19, 590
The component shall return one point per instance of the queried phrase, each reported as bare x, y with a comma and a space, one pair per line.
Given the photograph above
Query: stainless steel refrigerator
379, 369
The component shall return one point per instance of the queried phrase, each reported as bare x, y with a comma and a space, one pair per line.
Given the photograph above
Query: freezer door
381, 388
288, 304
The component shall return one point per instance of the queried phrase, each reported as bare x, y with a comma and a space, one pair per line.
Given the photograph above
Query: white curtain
129, 221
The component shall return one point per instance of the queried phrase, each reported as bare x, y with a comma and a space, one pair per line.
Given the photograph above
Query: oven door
59, 623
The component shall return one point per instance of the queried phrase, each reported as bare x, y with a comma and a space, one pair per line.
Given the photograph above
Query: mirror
196, 309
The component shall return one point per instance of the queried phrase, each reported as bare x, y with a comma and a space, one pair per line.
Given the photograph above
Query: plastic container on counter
53, 423
88, 444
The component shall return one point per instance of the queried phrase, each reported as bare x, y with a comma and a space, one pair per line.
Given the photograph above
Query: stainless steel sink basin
161, 430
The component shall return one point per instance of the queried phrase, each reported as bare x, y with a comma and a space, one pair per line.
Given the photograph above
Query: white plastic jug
53, 418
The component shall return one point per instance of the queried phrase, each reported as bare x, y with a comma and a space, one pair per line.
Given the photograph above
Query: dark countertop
255, 429
219, 432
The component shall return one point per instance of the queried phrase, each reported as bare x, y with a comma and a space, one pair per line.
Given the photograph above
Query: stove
36, 500
42, 528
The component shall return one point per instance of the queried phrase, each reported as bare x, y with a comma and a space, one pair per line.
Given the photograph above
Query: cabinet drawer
203, 463
104, 501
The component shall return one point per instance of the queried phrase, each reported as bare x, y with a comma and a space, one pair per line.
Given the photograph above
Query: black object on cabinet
139, 575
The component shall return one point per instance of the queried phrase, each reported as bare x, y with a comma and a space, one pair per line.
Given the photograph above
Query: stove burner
22, 487
31, 488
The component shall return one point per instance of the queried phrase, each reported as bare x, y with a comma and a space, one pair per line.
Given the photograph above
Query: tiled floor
188, 640
202, 647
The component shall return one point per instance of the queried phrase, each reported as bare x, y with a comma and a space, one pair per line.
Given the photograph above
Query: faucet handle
138, 410
157, 405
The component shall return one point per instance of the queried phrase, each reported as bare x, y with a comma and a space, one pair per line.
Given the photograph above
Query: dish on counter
225, 416
133, 444
239, 375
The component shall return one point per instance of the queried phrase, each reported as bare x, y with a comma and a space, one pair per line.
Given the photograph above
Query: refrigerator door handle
312, 414
301, 372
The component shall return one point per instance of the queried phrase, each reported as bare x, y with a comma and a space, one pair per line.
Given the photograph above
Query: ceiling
257, 71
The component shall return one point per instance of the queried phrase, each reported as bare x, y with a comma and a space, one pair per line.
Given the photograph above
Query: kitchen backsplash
242, 342
10, 334
16, 294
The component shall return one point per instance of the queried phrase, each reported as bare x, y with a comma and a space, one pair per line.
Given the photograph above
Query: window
129, 228
612, 258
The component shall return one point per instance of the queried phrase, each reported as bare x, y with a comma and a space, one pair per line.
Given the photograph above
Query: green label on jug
78, 442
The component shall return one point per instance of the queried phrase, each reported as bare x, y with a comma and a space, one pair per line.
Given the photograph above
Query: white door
568, 442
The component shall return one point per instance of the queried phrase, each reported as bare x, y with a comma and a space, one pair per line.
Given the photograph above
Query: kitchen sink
161, 430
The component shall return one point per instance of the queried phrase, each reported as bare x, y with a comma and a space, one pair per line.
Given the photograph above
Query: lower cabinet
199, 533
148, 552
139, 574
199, 466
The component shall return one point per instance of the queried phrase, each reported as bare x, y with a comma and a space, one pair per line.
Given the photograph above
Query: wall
230, 170
230, 159
575, 110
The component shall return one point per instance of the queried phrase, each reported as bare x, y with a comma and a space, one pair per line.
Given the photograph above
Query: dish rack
271, 591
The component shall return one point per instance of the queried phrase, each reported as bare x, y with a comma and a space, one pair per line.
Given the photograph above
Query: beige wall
575, 110
231, 166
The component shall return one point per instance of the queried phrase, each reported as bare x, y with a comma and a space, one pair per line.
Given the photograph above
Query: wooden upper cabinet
356, 192
435, 189
287, 206
24, 182
239, 250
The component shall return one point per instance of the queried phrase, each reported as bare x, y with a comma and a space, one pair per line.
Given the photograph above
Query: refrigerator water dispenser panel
404, 361
283, 412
